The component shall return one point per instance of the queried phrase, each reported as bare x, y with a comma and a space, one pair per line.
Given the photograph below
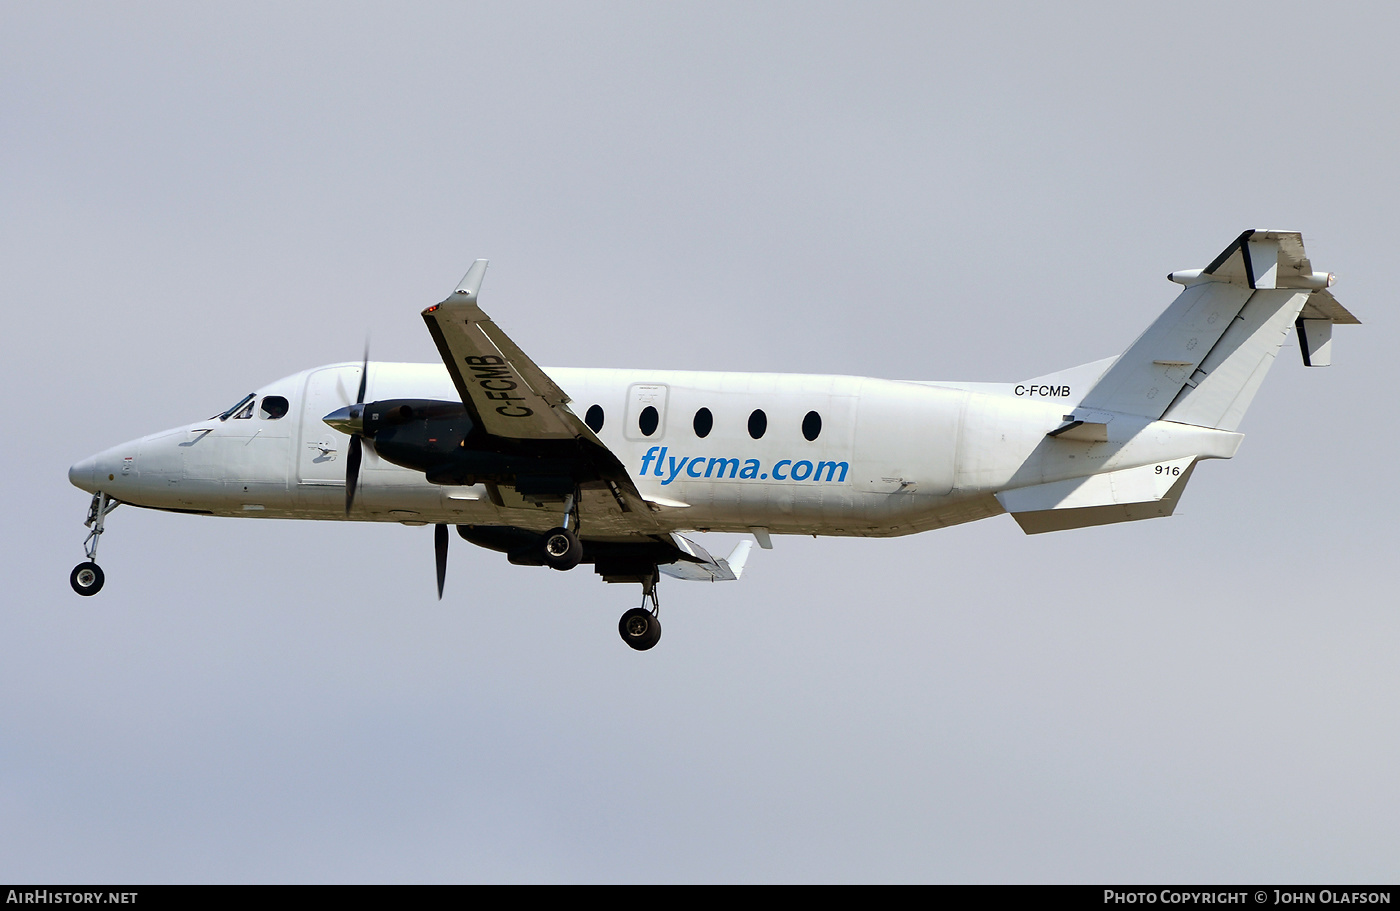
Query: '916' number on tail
1168, 469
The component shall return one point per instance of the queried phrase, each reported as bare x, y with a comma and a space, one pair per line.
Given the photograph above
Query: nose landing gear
87, 577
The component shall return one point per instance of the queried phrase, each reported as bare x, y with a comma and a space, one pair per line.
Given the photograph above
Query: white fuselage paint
892, 457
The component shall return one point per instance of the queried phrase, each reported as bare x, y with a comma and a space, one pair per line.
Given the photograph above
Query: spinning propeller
351, 420
357, 417
440, 545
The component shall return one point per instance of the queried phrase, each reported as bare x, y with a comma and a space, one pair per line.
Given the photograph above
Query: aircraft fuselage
711, 451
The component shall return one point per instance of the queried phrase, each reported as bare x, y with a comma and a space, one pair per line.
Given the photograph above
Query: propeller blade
440, 545
352, 472
364, 377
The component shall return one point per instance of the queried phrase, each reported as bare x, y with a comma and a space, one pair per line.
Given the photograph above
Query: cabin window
274, 407
645, 411
758, 424
812, 426
648, 421
704, 422
594, 418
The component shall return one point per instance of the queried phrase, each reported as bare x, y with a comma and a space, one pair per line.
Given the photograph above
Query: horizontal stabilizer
1146, 492
1261, 259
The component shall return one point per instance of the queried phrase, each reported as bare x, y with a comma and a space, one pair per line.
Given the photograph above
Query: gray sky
197, 200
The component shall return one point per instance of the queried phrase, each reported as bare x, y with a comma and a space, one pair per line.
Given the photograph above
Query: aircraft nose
83, 475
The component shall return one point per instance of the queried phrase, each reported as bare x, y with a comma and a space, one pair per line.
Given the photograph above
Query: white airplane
615, 470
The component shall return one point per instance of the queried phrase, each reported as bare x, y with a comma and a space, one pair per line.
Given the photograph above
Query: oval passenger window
704, 422
758, 423
594, 418
812, 426
648, 420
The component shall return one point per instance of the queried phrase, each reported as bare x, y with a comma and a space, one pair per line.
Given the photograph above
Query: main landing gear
560, 547
87, 577
640, 628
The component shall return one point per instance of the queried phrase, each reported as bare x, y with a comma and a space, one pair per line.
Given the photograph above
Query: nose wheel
87, 577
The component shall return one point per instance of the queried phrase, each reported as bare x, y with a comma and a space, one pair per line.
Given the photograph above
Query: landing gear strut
87, 578
560, 547
640, 628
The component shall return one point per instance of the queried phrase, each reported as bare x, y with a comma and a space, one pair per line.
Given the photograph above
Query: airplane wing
506, 393
514, 401
696, 564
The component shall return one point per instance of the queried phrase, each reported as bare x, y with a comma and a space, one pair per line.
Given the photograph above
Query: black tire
639, 628
86, 578
560, 549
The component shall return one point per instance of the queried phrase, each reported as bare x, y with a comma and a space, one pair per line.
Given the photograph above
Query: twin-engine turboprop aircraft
613, 471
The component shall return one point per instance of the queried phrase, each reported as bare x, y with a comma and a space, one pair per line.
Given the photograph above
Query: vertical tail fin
1203, 359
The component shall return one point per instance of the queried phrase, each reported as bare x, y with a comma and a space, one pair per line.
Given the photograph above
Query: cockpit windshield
244, 409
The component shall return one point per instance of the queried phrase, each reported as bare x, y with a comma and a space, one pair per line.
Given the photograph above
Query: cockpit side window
244, 408
273, 407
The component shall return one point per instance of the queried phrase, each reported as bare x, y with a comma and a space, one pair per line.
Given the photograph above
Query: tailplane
1203, 359
1198, 366
1127, 495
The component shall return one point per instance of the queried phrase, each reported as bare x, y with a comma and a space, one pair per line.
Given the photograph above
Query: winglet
694, 563
471, 282
738, 557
